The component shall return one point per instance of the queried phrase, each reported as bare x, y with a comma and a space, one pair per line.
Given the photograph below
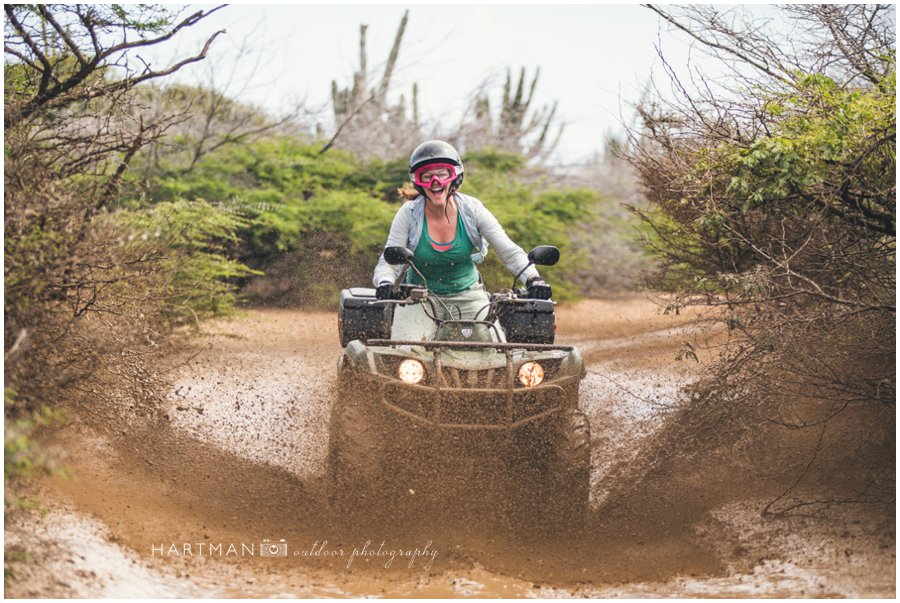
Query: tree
797, 147
773, 193
62, 59
66, 48
90, 293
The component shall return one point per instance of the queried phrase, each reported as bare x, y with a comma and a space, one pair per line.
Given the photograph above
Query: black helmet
436, 151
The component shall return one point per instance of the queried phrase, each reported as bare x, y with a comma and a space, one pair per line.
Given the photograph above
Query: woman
448, 232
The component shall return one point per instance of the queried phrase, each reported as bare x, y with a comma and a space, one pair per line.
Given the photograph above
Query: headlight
410, 371
531, 374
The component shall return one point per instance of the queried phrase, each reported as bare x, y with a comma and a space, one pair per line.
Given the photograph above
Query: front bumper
488, 399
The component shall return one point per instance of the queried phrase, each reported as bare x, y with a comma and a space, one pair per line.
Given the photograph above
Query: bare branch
737, 52
63, 33
187, 22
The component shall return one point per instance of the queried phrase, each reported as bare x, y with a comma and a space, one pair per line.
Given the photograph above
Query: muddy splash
238, 457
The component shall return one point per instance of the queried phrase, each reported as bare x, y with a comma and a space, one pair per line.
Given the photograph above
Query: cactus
365, 122
511, 132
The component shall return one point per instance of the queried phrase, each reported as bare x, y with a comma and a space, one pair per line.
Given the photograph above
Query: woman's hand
388, 291
538, 288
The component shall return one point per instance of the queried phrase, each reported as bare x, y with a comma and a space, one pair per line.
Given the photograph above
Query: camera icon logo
267, 548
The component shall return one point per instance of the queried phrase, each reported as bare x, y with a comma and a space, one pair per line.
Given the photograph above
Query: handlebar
415, 294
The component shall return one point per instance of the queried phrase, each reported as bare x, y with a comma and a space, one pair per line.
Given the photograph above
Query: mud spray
225, 493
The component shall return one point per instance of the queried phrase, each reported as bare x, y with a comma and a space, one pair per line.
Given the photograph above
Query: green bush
189, 242
21, 456
333, 211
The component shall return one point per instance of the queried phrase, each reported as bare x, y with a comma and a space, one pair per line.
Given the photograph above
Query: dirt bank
237, 456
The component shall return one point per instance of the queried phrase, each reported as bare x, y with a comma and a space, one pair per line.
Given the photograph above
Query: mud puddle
239, 458
67, 552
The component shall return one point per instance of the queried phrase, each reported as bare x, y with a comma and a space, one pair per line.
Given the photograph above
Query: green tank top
448, 272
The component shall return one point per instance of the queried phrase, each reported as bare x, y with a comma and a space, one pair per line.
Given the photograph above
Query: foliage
492, 159
203, 119
20, 456
194, 278
820, 182
331, 212
774, 200
85, 306
23, 457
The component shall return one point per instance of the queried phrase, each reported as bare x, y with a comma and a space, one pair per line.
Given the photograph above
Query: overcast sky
594, 59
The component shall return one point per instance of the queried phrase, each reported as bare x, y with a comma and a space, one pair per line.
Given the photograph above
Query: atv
490, 384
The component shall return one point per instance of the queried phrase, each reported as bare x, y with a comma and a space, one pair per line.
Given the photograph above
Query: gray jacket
481, 226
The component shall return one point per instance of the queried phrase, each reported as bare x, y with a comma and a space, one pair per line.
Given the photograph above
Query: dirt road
173, 507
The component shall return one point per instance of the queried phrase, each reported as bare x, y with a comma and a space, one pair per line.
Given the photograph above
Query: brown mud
238, 455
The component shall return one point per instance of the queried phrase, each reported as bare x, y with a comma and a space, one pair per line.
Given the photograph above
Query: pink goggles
428, 170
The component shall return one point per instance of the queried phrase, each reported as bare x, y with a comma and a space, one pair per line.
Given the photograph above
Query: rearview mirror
397, 256
543, 255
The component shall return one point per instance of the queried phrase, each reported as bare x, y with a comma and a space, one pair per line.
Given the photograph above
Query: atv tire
554, 465
570, 470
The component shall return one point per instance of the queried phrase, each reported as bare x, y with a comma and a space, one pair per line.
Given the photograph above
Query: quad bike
468, 389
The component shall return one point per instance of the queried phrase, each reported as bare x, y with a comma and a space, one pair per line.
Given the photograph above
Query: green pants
411, 322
